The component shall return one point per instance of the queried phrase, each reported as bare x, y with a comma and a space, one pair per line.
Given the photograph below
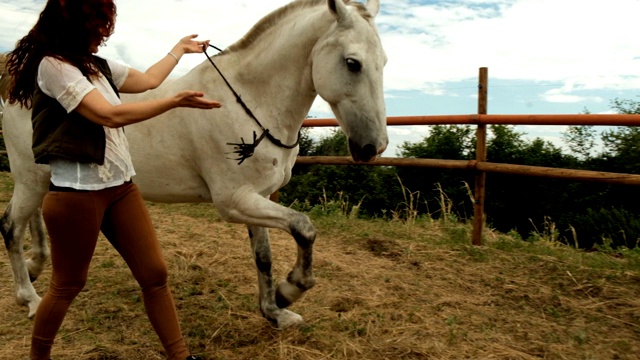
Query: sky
543, 56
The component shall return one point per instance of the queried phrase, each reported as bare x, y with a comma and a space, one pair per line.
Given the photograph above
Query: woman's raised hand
189, 45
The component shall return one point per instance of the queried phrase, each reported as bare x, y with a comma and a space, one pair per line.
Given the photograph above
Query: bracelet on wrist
173, 56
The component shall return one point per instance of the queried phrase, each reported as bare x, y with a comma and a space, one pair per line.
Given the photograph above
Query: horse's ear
373, 6
338, 8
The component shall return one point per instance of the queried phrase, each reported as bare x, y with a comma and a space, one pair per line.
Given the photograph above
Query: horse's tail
4, 80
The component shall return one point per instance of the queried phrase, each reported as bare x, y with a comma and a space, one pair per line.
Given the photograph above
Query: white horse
307, 48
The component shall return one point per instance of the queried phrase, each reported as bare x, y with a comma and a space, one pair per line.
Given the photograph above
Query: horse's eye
353, 65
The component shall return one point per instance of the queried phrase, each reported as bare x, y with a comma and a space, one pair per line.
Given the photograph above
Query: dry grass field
385, 290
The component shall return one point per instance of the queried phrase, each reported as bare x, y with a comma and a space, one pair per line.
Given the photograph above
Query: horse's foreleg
13, 233
300, 278
250, 208
261, 248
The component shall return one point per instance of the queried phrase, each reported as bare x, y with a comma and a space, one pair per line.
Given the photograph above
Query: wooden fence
480, 165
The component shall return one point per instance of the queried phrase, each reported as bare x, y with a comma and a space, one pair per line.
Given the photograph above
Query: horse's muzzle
366, 153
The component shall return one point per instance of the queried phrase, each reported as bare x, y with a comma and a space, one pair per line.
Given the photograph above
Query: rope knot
246, 150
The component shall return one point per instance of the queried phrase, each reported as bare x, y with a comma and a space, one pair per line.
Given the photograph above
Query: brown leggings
74, 220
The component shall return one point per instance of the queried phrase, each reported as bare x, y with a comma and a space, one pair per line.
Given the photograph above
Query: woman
77, 120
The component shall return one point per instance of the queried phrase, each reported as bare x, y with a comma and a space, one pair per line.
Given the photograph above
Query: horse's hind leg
13, 225
261, 248
39, 247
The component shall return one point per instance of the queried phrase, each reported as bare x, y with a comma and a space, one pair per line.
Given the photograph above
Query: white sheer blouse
65, 83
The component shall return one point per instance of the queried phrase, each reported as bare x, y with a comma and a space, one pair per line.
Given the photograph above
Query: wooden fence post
481, 156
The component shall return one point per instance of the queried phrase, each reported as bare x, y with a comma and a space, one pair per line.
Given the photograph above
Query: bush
617, 227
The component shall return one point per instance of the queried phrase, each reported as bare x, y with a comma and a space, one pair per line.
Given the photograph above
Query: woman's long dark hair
66, 30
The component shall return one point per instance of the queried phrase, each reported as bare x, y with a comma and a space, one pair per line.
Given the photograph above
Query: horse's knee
6, 228
303, 231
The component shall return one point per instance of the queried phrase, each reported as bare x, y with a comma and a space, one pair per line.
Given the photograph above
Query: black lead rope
242, 149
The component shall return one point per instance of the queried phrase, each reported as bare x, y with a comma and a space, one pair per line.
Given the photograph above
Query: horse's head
347, 73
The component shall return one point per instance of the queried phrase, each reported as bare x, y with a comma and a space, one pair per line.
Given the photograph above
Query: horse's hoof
33, 306
287, 319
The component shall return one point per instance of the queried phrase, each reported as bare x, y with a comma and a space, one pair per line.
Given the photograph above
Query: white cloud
564, 94
562, 98
589, 42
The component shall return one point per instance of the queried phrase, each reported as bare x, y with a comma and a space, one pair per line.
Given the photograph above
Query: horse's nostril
368, 152
365, 153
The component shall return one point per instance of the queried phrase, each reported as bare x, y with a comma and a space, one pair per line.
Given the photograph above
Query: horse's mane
274, 17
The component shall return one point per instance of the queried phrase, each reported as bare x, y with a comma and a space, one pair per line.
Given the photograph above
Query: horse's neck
275, 70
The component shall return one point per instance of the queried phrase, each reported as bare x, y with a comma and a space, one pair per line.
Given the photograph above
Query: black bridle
246, 150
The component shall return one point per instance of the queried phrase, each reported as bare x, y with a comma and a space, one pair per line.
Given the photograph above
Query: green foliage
334, 145
615, 227
626, 106
622, 144
505, 144
443, 142
520, 202
622, 150
581, 140
306, 142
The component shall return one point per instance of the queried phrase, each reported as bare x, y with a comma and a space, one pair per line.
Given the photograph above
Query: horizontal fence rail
526, 170
475, 119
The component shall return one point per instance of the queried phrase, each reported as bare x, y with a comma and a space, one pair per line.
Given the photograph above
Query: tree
505, 144
622, 144
443, 142
581, 140
626, 106
601, 211
522, 203
305, 143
